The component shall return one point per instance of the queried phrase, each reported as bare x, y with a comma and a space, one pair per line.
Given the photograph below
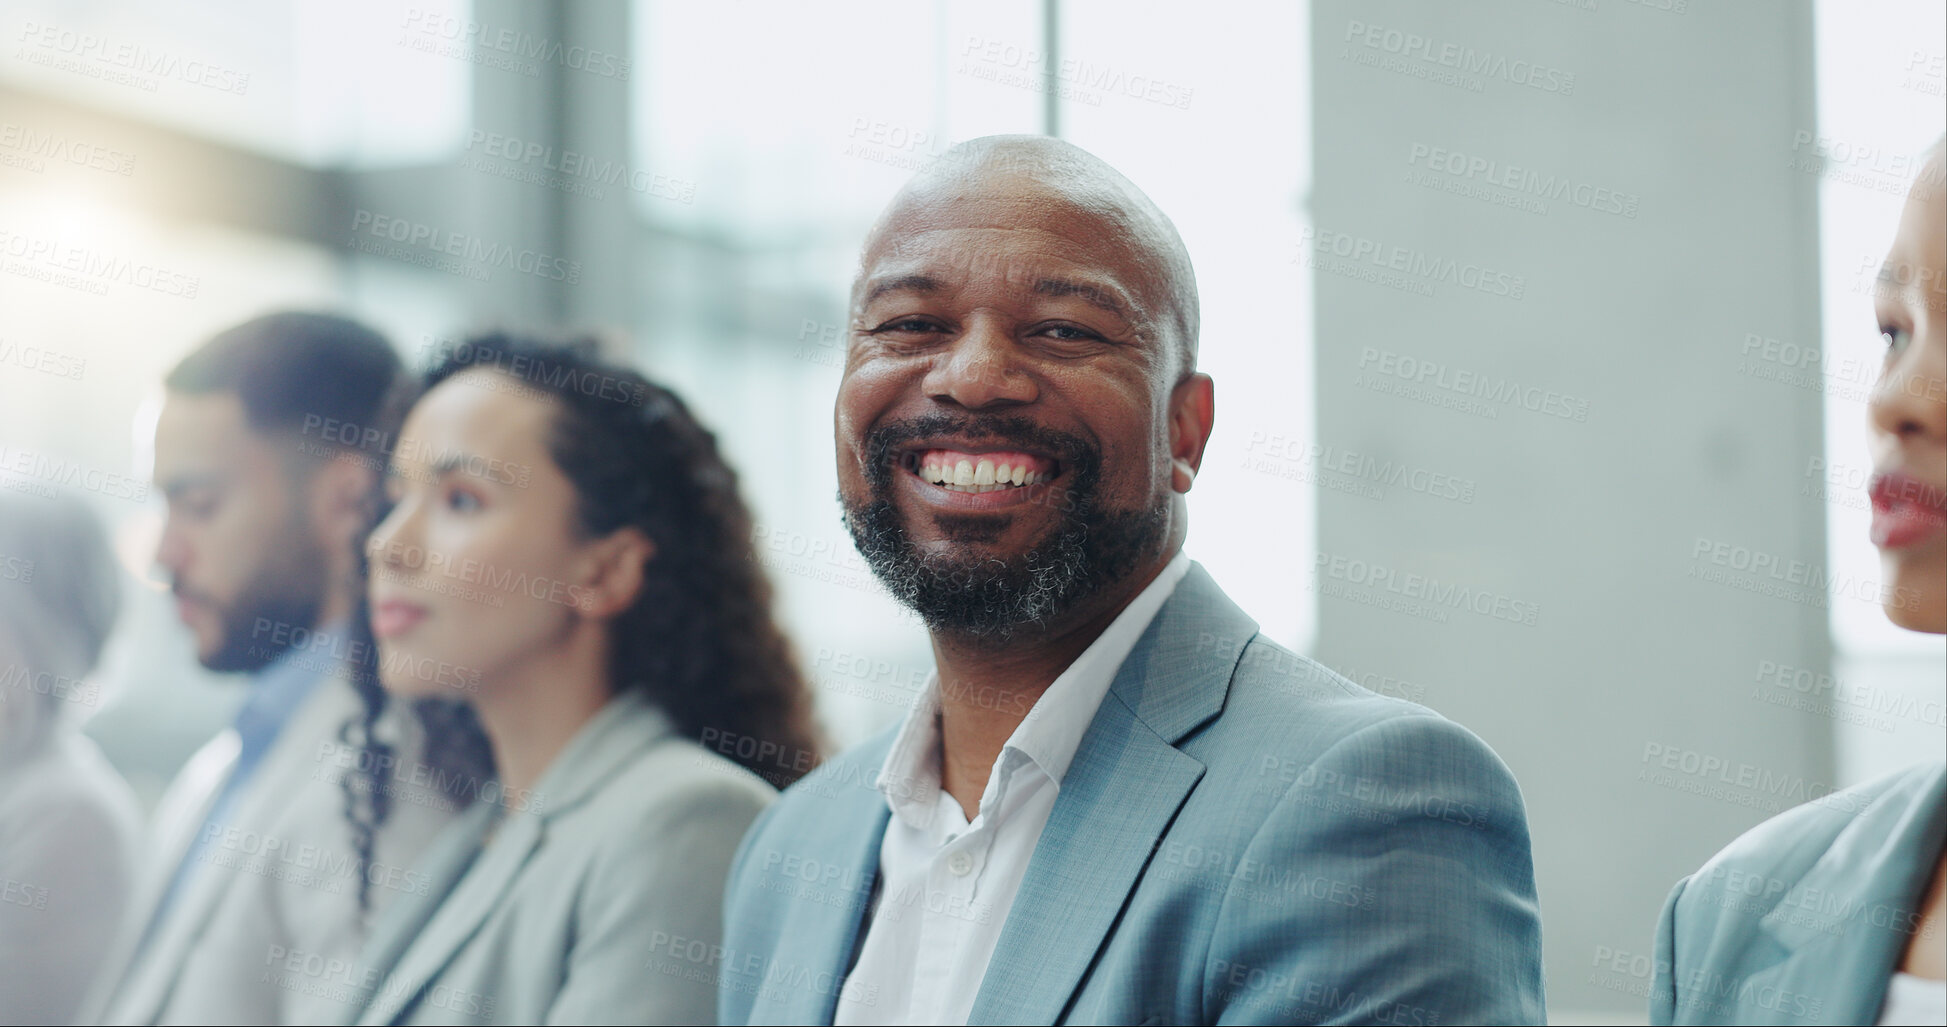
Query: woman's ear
614, 579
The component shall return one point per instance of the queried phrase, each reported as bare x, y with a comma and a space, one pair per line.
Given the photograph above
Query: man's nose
982, 368
172, 550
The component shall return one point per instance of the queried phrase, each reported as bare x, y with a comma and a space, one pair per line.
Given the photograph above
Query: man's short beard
983, 598
288, 592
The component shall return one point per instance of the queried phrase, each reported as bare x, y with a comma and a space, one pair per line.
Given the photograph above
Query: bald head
1020, 180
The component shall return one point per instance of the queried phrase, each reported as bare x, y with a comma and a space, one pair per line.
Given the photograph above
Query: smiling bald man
1114, 801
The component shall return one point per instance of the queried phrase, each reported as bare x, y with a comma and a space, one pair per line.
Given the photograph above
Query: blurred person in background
268, 450
68, 823
566, 528
1834, 912
1114, 801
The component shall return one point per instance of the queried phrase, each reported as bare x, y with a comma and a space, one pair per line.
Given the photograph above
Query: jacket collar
1842, 928
469, 879
1122, 792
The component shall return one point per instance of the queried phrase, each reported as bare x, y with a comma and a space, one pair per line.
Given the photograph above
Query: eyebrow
1094, 294
175, 487
925, 284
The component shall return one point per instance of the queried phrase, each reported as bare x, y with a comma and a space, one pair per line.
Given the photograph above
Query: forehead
197, 431
485, 412
1018, 232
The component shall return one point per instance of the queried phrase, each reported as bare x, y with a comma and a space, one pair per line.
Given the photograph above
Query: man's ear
1193, 410
616, 567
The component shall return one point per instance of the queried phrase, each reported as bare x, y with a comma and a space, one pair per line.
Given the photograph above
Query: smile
969, 472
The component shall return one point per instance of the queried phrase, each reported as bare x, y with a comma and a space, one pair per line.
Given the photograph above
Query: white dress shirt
945, 885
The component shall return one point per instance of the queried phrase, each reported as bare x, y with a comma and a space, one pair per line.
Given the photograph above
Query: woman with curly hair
567, 556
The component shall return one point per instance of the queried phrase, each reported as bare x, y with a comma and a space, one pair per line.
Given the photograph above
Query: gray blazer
584, 902
1804, 919
1243, 837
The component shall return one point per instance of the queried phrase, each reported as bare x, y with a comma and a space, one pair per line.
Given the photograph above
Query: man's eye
908, 325
1069, 333
1896, 339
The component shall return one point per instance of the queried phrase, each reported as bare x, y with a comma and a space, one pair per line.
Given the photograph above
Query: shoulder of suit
1787, 846
677, 775
1272, 681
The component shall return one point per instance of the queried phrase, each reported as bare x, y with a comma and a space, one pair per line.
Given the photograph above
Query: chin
412, 673
1916, 597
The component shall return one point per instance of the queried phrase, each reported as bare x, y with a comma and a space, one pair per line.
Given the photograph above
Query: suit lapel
1843, 928
257, 809
828, 941
427, 937
450, 918
150, 963
1119, 797
817, 940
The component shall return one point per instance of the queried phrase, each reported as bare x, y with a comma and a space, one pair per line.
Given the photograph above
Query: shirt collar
277, 690
1051, 733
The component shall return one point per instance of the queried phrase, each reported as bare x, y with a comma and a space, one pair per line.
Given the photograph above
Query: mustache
1073, 451
182, 591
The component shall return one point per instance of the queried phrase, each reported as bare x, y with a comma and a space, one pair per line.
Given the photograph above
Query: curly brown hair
699, 640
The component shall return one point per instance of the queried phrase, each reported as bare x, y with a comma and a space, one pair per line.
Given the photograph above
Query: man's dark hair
321, 377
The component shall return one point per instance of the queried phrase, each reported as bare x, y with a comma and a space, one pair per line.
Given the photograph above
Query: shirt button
959, 864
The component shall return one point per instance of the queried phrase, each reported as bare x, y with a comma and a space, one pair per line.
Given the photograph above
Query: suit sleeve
1663, 988
651, 920
1391, 883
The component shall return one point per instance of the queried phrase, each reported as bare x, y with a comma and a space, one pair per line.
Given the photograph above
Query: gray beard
985, 599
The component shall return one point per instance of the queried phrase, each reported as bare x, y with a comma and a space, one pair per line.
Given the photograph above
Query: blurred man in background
267, 450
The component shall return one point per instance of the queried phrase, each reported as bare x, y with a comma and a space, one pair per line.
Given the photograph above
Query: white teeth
975, 474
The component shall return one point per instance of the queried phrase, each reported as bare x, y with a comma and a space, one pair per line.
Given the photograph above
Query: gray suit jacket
1805, 917
1243, 837
586, 901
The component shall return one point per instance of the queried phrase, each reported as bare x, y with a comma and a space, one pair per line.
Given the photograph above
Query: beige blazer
283, 882
597, 899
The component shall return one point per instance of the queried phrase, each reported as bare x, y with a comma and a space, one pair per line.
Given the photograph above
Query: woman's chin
1915, 597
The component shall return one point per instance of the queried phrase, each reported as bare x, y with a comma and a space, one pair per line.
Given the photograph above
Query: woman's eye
462, 501
1894, 338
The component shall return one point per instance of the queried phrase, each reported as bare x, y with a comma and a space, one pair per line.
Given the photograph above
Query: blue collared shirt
276, 693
